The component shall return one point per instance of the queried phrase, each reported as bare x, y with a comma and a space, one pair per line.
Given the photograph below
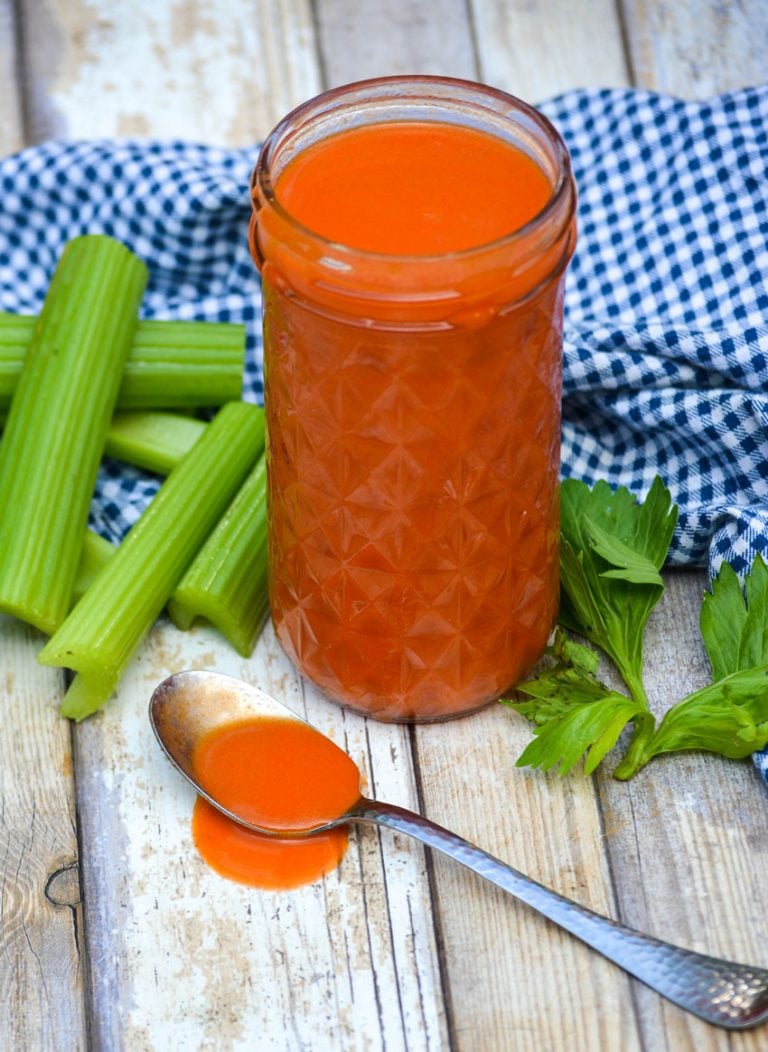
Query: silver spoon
186, 706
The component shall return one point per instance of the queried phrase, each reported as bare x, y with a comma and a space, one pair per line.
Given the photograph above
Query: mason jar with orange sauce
412, 235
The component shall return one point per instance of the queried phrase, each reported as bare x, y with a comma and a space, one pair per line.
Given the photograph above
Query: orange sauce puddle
280, 774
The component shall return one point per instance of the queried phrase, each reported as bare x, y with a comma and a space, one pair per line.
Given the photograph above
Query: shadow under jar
412, 235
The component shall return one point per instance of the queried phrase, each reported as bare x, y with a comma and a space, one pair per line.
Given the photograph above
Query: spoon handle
730, 995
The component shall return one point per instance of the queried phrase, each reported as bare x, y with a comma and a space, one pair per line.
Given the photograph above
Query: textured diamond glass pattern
413, 511
413, 401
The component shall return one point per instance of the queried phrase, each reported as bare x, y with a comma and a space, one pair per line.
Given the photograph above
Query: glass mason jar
413, 419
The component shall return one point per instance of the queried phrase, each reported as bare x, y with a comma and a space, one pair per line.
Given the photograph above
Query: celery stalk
152, 440
15, 337
195, 363
171, 364
100, 635
58, 421
227, 580
94, 554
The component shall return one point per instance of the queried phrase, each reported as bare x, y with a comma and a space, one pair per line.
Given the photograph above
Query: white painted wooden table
115, 936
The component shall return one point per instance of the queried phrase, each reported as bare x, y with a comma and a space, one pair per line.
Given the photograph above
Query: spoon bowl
189, 705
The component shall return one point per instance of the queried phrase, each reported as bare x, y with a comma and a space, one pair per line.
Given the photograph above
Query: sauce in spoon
279, 774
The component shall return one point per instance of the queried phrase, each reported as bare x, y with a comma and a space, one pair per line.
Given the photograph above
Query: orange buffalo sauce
400, 188
280, 774
412, 272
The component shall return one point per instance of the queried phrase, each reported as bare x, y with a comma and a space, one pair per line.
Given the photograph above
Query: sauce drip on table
280, 774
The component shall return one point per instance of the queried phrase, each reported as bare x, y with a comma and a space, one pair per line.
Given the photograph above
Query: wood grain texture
376, 38
11, 123
349, 962
41, 924
538, 48
533, 996
694, 50
41, 967
515, 980
686, 838
220, 72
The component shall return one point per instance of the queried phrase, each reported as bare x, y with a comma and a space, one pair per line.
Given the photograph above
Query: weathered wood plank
376, 38
687, 837
538, 48
155, 912
695, 50
348, 962
41, 930
514, 980
352, 959
221, 72
11, 130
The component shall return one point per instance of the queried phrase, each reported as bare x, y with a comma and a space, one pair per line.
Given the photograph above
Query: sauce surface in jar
400, 188
278, 774
412, 388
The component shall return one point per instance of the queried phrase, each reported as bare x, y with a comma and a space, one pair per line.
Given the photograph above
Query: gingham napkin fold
666, 339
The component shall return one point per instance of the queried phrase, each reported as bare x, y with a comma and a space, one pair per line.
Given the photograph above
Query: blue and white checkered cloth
666, 343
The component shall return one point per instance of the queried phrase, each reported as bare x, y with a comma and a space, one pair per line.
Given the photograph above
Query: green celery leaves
574, 713
734, 623
729, 717
612, 549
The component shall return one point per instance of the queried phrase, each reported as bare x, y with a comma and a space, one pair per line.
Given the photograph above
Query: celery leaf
729, 717
574, 713
631, 566
574, 716
734, 622
612, 547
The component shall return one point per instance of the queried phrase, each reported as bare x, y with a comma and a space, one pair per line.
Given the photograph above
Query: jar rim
262, 185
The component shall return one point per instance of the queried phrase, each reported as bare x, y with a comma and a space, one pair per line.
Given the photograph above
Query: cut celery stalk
171, 364
58, 421
227, 580
101, 634
95, 554
152, 440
